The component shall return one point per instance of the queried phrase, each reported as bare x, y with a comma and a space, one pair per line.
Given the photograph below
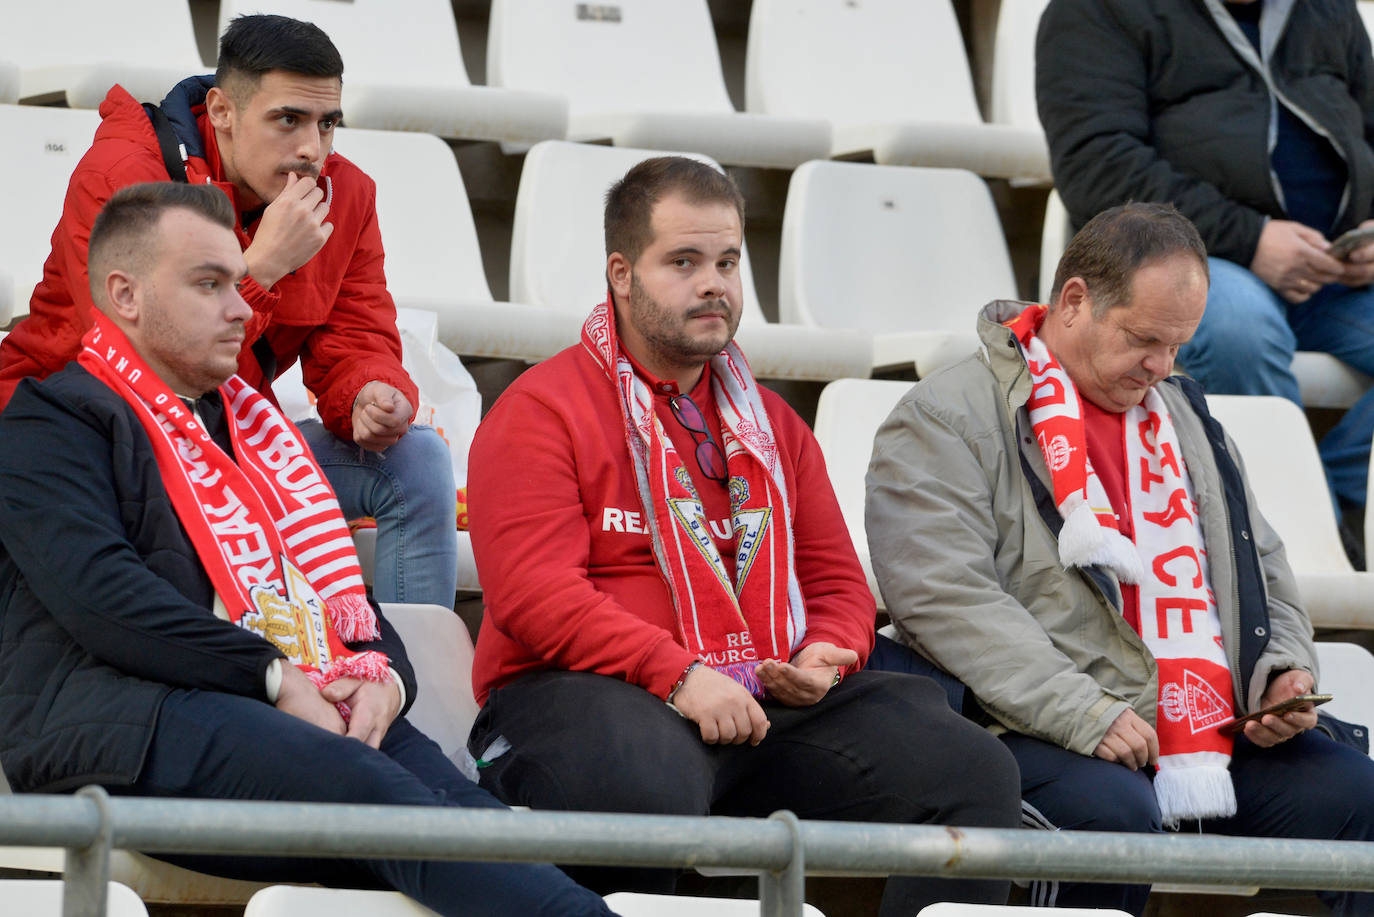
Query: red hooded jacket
333, 313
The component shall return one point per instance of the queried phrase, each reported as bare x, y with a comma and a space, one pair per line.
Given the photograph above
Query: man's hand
723, 708
1130, 741
1359, 267
299, 697
381, 416
1271, 730
292, 230
371, 707
807, 678
1292, 259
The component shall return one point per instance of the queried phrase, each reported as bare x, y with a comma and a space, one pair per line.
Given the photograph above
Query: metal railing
781, 848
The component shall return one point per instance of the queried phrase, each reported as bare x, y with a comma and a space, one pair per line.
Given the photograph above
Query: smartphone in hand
1279, 709
1349, 241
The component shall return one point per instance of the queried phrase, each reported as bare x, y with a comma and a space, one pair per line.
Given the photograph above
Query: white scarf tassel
1194, 792
1084, 542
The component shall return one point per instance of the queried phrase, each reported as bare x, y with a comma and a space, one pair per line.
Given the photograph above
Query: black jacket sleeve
74, 470
1093, 93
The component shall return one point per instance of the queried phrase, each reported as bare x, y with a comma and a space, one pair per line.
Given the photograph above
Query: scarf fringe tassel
352, 618
1194, 792
1084, 542
744, 673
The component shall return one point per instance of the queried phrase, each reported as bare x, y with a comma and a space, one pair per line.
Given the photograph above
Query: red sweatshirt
333, 313
568, 571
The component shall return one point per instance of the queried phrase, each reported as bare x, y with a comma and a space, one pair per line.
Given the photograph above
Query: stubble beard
666, 333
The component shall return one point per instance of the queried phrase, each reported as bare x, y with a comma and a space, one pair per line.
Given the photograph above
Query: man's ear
121, 296
1074, 301
220, 109
618, 275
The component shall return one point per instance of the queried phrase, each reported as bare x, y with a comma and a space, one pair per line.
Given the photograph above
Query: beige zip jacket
968, 562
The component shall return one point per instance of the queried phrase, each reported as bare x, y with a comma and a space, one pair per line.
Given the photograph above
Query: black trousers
880, 747
220, 746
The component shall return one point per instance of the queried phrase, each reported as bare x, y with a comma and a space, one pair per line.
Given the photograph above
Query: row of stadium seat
888, 78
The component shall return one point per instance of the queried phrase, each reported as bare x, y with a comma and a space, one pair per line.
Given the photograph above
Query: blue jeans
208, 745
1309, 787
409, 490
1245, 345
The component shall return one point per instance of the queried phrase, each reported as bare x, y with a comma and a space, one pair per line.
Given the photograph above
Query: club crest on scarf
1167, 561
731, 626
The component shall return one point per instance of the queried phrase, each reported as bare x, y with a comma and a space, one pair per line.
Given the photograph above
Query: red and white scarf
267, 529
730, 625
1179, 621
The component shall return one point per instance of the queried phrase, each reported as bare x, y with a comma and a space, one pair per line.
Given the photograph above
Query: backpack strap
173, 152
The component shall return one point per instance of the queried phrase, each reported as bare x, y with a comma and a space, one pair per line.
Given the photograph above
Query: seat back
43, 898
72, 35
440, 649
631, 56
638, 904
951, 909
1286, 476
890, 248
381, 41
305, 901
1347, 671
422, 206
39, 148
878, 61
558, 255
1013, 63
1054, 238
9, 82
848, 416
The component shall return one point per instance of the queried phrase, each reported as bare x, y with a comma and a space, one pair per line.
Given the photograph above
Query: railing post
86, 873
782, 894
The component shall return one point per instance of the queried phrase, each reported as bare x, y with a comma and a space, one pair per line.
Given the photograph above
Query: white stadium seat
9, 82
1347, 672
300, 901
641, 73
43, 898
440, 649
847, 419
949, 909
558, 259
39, 147
908, 254
1289, 484
432, 259
1013, 64
1323, 380
403, 70
75, 50
893, 79
637, 904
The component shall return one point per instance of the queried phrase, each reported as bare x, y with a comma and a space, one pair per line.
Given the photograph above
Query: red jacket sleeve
839, 606
532, 544
358, 343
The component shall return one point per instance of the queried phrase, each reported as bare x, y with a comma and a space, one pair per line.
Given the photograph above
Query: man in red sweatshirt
262, 130
676, 621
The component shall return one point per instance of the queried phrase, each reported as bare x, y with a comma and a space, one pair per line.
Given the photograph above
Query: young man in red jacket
676, 621
261, 131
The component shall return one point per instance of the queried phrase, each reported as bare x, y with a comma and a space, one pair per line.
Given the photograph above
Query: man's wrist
682, 679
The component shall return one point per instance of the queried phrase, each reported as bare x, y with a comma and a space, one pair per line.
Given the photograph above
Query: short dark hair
630, 202
119, 236
1116, 243
254, 45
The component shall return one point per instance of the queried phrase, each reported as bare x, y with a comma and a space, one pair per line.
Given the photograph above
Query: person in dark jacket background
1255, 119
167, 627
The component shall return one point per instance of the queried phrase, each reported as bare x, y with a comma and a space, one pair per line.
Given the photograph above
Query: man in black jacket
166, 626
1255, 119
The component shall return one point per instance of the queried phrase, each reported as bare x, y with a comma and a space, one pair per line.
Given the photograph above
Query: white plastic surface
642, 73
637, 904
432, 258
301, 901
43, 898
1013, 63
949, 909
909, 254
848, 416
39, 147
9, 82
403, 70
1346, 670
440, 649
558, 259
77, 50
890, 75
1285, 474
